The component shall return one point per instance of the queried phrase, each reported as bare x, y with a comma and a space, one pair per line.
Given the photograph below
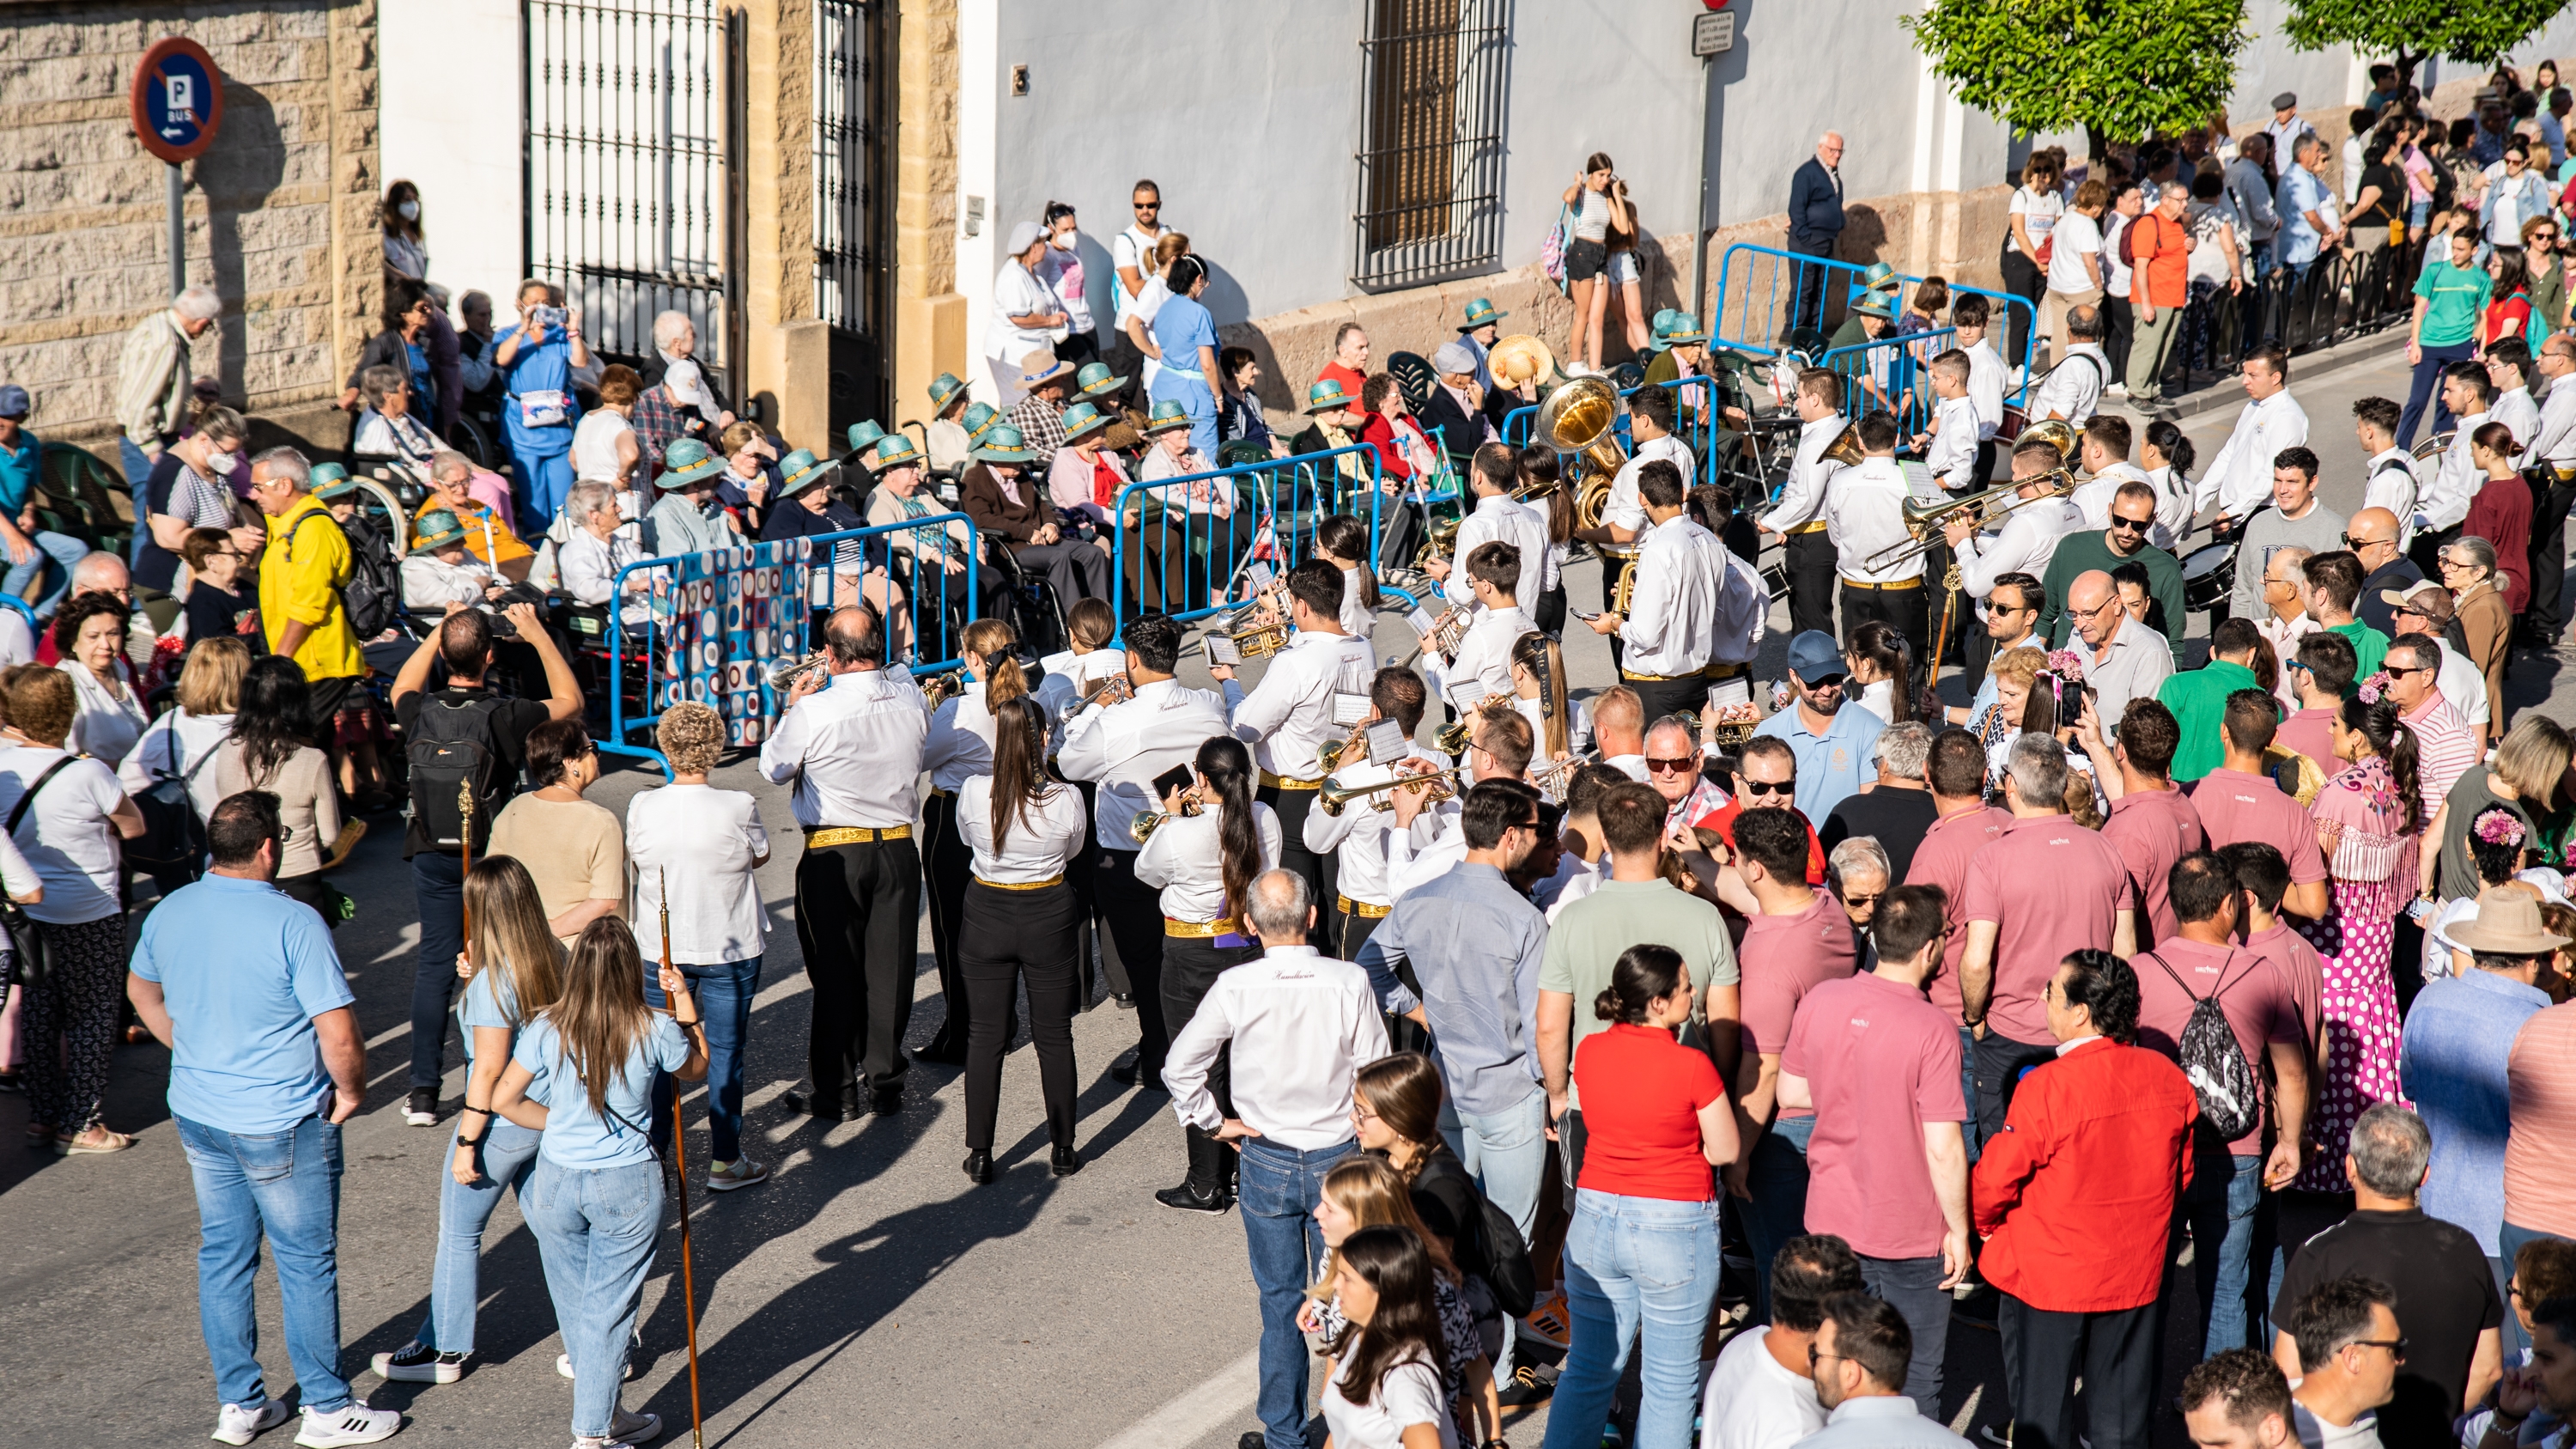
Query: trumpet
944, 686
1255, 641
1333, 750
1113, 690
1454, 737
1336, 796
1142, 828
782, 675
1449, 631
1551, 778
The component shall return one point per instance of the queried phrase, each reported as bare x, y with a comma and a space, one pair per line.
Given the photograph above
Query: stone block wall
280, 210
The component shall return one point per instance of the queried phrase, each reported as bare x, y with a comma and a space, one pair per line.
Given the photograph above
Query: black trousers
1191, 965
1076, 568
1322, 872
2000, 1063
1660, 697
1907, 610
2045, 1352
1807, 309
1356, 929
2550, 501
946, 864
1082, 872
2023, 279
2120, 328
1809, 558
1550, 615
1134, 912
856, 912
1009, 935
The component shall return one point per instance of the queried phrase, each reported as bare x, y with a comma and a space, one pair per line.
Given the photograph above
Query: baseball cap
1814, 657
14, 402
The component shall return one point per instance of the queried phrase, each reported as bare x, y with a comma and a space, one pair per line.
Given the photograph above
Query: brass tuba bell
2056, 433
1845, 448
1578, 418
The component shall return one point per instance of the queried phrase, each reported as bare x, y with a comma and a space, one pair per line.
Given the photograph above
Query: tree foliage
2121, 70
2474, 31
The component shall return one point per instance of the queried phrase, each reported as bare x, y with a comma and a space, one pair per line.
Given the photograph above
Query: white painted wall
449, 122
978, 89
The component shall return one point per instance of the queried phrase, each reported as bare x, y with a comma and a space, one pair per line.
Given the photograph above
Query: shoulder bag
31, 958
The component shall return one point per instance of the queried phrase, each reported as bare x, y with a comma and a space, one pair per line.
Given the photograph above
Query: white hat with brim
2507, 924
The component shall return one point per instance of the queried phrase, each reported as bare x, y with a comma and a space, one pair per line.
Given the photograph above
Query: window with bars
1431, 150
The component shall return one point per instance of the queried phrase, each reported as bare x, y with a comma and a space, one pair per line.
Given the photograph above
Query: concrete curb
2224, 393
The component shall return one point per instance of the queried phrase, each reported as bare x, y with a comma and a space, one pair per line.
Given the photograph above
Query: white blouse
710, 843
1042, 839
1184, 858
107, 726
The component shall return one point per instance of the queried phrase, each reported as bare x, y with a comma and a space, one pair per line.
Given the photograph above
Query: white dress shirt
1041, 839
1743, 614
1952, 457
2460, 682
1484, 662
2391, 485
1068, 674
708, 843
1802, 498
1672, 615
1185, 860
1357, 837
856, 747
1626, 508
1498, 519
1986, 374
1123, 746
1865, 515
2514, 408
2093, 496
1302, 1025
2024, 546
2556, 436
1357, 620
2241, 476
1435, 846
430, 583
2173, 510
2456, 481
966, 714
1553, 552
2073, 388
1289, 714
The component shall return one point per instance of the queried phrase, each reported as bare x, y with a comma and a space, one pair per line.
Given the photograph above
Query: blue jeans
2218, 1210
1278, 1188
595, 1229
1632, 1261
509, 1155
1968, 1091
438, 903
138, 471
543, 480
1777, 1178
55, 555
285, 1185
2426, 387
723, 994
1506, 1152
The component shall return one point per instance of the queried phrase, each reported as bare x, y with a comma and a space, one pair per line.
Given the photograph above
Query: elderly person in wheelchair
389, 434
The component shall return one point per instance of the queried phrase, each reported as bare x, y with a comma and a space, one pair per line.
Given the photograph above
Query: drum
2209, 575
2014, 420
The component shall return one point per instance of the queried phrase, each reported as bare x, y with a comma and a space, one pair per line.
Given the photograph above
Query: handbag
31, 956
1551, 253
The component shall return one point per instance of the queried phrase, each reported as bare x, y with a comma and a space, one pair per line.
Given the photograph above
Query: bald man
1815, 224
2123, 659
2378, 540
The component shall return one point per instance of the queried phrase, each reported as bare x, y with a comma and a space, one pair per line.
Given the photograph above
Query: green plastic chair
77, 500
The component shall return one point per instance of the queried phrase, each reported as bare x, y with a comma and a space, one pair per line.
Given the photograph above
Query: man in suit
1815, 223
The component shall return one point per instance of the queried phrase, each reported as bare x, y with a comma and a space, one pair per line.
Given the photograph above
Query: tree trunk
2097, 149
2406, 63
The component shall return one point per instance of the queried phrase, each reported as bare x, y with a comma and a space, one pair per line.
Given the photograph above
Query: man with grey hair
1301, 1025
2448, 1309
1860, 877
2310, 226
301, 575
153, 378
1897, 810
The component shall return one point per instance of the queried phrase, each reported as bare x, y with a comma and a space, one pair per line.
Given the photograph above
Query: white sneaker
742, 1172
237, 1425
2117, 389
563, 1365
354, 1423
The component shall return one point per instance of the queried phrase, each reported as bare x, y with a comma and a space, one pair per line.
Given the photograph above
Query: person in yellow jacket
301, 573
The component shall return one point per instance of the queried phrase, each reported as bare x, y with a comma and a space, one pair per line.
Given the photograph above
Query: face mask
408, 211
223, 463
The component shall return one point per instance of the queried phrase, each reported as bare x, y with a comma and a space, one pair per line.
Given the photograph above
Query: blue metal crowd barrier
1699, 431
1757, 296
1891, 373
1182, 561
714, 623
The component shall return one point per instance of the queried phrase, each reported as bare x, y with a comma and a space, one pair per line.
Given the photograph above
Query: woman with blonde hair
176, 750
2526, 778
1538, 682
697, 852
1395, 1110
513, 969
987, 651
595, 1198
1364, 1192
2013, 672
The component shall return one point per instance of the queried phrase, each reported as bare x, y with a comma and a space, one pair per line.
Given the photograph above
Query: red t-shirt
1642, 1094
2152, 829
2256, 997
1784, 958
1722, 820
1881, 1061
2236, 806
1351, 381
1942, 860
2050, 887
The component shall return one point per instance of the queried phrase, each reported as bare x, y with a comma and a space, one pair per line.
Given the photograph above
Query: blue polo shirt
21, 469
244, 968
1831, 766
2452, 1063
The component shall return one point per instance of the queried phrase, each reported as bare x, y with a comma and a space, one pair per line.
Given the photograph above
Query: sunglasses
2130, 525
1670, 767
2395, 669
2396, 1346
1856, 902
1767, 787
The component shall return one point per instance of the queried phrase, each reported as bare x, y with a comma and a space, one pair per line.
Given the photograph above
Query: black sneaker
1529, 1384
422, 1110
1186, 1198
418, 1363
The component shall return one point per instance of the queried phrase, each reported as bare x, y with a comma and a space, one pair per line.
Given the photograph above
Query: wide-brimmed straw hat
2507, 924
1082, 420
437, 529
801, 470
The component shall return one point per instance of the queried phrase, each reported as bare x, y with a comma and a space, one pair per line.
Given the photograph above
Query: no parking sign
177, 99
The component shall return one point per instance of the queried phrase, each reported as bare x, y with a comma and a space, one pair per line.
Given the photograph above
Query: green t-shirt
2198, 699
1587, 937
2455, 298
2369, 648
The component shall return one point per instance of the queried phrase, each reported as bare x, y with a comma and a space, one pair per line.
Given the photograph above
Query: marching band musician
1204, 865
2240, 479
984, 647
2029, 536
1342, 541
1650, 425
1020, 918
1121, 748
1493, 473
1066, 680
854, 747
2104, 451
1538, 682
1951, 448
2444, 504
1799, 518
1672, 623
1290, 713
1357, 837
1483, 664
1865, 516
1426, 841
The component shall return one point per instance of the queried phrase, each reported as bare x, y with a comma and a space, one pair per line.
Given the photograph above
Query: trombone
1926, 521
1142, 828
1336, 796
1454, 737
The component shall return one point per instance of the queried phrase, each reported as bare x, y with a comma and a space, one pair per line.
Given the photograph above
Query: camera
546, 316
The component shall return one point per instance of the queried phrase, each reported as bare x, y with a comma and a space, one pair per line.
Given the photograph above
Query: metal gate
852, 191
631, 174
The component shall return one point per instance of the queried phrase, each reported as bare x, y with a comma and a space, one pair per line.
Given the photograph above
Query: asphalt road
866, 1295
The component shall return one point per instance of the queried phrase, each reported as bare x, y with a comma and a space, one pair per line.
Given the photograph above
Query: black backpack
2231, 1100
454, 749
173, 837
373, 594
1498, 1242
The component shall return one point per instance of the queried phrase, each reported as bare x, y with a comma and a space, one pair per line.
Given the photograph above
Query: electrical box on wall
1019, 80
974, 216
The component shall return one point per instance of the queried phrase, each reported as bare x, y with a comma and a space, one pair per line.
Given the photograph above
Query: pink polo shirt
2445, 748
2049, 887
2256, 997
2237, 806
2311, 733
2299, 965
1881, 1061
1784, 958
2152, 829
1942, 860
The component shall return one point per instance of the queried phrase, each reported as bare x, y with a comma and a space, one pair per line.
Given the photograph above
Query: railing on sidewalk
1181, 559
707, 627
2345, 295
1892, 373
1759, 302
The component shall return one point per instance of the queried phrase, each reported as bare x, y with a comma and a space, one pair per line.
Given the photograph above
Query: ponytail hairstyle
601, 1016
1019, 763
1544, 658
1374, 1195
1227, 766
1343, 536
1398, 1264
1537, 465
511, 935
1403, 1092
991, 640
2171, 441
1644, 975
2391, 738
1056, 211
1877, 641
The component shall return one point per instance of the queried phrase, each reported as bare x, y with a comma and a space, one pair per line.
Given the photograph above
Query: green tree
2123, 70
2473, 31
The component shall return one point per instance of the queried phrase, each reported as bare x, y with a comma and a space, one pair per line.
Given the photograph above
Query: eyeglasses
1671, 767
2455, 563
1767, 787
1817, 1355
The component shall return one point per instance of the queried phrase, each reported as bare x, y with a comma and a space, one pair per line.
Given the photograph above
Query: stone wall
280, 210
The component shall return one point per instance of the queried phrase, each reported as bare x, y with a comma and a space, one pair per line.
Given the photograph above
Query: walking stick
465, 809
680, 1164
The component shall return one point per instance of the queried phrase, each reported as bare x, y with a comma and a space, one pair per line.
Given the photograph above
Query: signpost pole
178, 231
1699, 209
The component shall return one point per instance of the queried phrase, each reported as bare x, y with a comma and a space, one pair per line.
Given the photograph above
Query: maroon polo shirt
2152, 829
1942, 860
2237, 806
2050, 887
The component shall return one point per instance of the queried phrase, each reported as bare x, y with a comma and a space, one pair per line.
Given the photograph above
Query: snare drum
2209, 575
2014, 420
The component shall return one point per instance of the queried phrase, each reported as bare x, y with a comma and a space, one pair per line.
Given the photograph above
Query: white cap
1024, 236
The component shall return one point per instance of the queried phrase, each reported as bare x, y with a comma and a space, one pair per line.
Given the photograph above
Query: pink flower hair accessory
2376, 686
2499, 827
2066, 663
